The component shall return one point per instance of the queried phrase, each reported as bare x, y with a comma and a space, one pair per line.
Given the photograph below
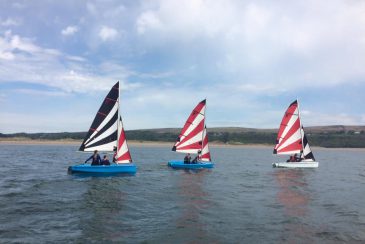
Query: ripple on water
242, 200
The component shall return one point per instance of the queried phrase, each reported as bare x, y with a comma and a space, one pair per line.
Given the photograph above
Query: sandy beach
27, 141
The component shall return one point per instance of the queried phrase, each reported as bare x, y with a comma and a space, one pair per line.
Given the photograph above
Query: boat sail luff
103, 132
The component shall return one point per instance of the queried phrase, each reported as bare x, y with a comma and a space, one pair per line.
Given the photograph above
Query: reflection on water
294, 196
103, 201
193, 202
242, 200
292, 193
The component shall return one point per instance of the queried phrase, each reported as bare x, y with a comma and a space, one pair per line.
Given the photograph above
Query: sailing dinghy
193, 139
105, 135
292, 140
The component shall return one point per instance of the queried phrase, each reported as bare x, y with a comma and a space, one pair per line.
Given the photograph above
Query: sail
307, 152
191, 136
103, 132
205, 153
122, 154
289, 139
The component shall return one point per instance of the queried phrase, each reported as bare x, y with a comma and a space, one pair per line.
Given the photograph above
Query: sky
249, 59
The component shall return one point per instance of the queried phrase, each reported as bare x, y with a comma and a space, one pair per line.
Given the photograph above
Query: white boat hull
302, 164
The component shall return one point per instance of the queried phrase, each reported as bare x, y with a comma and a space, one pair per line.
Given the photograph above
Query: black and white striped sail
307, 152
103, 132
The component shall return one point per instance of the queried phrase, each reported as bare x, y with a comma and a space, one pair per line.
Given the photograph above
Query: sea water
242, 200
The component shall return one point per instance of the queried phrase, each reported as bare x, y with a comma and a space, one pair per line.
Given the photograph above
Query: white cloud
107, 33
291, 45
148, 20
18, 5
247, 49
70, 30
26, 122
34, 92
22, 60
91, 8
11, 22
310, 118
192, 19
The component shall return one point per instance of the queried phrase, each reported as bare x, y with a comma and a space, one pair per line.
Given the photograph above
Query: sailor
197, 158
297, 158
105, 160
294, 158
115, 154
187, 159
96, 160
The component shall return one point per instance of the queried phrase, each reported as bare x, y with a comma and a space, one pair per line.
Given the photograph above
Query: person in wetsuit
197, 159
96, 160
294, 158
187, 159
105, 160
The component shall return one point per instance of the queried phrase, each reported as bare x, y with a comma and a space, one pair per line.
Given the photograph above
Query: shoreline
27, 141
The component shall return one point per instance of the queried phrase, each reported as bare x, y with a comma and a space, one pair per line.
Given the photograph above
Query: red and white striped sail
122, 155
191, 136
289, 140
205, 153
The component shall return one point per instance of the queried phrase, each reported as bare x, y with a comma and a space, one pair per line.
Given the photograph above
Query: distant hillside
325, 136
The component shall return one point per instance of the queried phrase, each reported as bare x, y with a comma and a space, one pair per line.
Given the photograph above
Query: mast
118, 129
204, 129
301, 128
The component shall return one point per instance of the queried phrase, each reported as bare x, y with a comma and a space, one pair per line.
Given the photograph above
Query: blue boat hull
181, 165
103, 169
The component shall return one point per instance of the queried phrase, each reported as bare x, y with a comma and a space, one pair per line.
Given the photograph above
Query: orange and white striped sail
289, 140
190, 139
205, 153
122, 155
